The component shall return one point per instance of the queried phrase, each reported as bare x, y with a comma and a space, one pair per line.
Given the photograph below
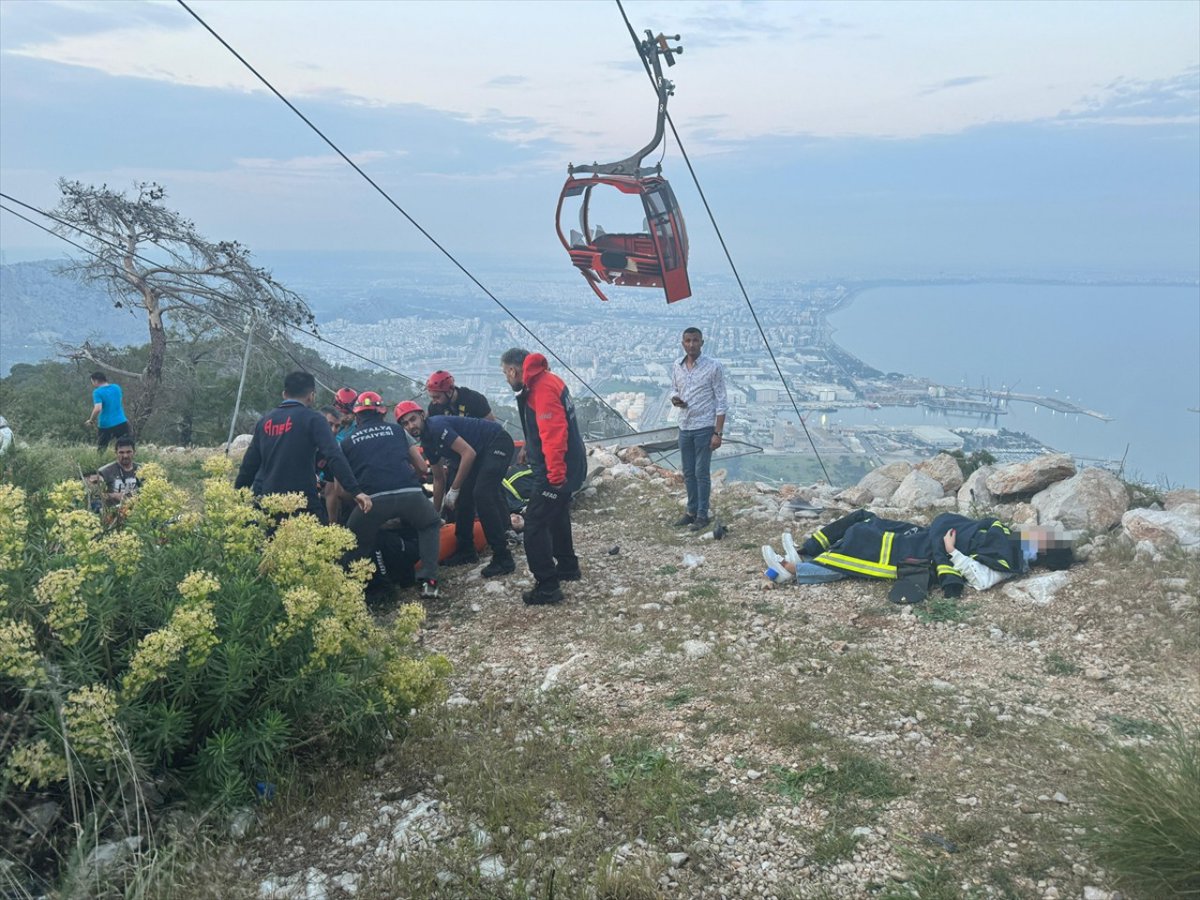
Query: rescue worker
386, 465
473, 456
447, 399
954, 550
281, 458
343, 402
558, 458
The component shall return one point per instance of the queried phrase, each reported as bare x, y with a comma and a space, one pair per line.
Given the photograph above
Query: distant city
627, 360
855, 414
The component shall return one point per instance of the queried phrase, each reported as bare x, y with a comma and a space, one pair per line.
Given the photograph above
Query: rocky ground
678, 728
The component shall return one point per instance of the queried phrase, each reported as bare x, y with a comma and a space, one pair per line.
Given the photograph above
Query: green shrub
187, 646
1147, 814
977, 460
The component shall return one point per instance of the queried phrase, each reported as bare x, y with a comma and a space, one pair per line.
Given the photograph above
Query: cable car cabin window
608, 212
659, 207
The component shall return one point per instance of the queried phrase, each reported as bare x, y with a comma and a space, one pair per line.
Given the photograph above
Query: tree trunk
153, 376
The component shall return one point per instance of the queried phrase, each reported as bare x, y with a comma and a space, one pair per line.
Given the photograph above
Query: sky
831, 139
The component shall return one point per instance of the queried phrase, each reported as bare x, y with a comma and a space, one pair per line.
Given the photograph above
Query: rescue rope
712, 218
386, 196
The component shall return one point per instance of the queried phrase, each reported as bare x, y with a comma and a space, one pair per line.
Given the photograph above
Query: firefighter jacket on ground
864, 544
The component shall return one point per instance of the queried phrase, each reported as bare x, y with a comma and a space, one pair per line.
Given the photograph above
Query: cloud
1132, 101
313, 164
951, 83
63, 18
506, 81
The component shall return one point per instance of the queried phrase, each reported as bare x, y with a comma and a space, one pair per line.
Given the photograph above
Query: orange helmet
440, 381
404, 407
345, 398
369, 401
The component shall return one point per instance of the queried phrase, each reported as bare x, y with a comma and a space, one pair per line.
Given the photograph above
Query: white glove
450, 499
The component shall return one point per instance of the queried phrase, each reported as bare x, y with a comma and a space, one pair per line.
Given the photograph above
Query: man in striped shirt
698, 390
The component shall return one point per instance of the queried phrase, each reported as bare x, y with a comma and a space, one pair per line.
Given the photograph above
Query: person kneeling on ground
953, 550
477, 453
386, 466
120, 477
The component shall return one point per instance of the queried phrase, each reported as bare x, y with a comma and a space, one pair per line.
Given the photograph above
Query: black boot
463, 556
502, 564
544, 594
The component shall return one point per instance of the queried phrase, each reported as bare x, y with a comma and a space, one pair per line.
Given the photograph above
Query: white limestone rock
855, 496
896, 471
1184, 497
1016, 513
1030, 476
1094, 500
1038, 589
879, 486
917, 491
1163, 528
974, 496
945, 470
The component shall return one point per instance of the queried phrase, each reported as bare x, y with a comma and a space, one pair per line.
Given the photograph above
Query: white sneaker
775, 568
789, 549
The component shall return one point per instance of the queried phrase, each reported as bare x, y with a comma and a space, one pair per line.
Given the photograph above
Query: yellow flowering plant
206, 637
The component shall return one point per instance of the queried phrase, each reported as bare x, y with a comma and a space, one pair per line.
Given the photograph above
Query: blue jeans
812, 573
695, 450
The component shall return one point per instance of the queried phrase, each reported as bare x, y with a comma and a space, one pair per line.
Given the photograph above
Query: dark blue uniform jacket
378, 454
282, 453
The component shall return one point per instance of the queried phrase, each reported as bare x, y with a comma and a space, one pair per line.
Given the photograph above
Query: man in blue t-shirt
108, 411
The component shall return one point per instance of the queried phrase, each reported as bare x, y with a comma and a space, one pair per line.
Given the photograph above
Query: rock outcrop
1164, 528
974, 493
945, 470
917, 491
1093, 500
1030, 476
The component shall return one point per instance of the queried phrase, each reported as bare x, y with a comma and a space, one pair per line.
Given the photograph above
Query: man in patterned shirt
698, 390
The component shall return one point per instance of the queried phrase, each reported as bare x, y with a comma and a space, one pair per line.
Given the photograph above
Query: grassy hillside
675, 730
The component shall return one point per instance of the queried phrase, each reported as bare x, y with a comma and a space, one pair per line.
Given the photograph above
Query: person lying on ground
953, 550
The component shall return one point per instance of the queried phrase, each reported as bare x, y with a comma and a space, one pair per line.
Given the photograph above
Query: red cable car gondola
657, 255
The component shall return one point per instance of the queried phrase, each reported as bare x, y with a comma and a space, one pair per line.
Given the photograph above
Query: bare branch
75, 352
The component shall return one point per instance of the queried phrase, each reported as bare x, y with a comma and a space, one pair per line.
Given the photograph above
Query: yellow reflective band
858, 566
1004, 563
946, 570
1001, 526
885, 551
821, 539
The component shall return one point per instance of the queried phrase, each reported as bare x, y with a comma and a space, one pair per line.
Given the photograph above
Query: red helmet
345, 398
369, 401
440, 381
404, 407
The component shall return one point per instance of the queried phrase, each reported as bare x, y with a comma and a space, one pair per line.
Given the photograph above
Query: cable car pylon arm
652, 49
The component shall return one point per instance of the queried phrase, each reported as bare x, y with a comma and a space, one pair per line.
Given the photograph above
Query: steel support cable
279, 351
386, 196
267, 335
712, 218
187, 278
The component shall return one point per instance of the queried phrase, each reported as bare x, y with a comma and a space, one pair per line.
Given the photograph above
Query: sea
1131, 352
